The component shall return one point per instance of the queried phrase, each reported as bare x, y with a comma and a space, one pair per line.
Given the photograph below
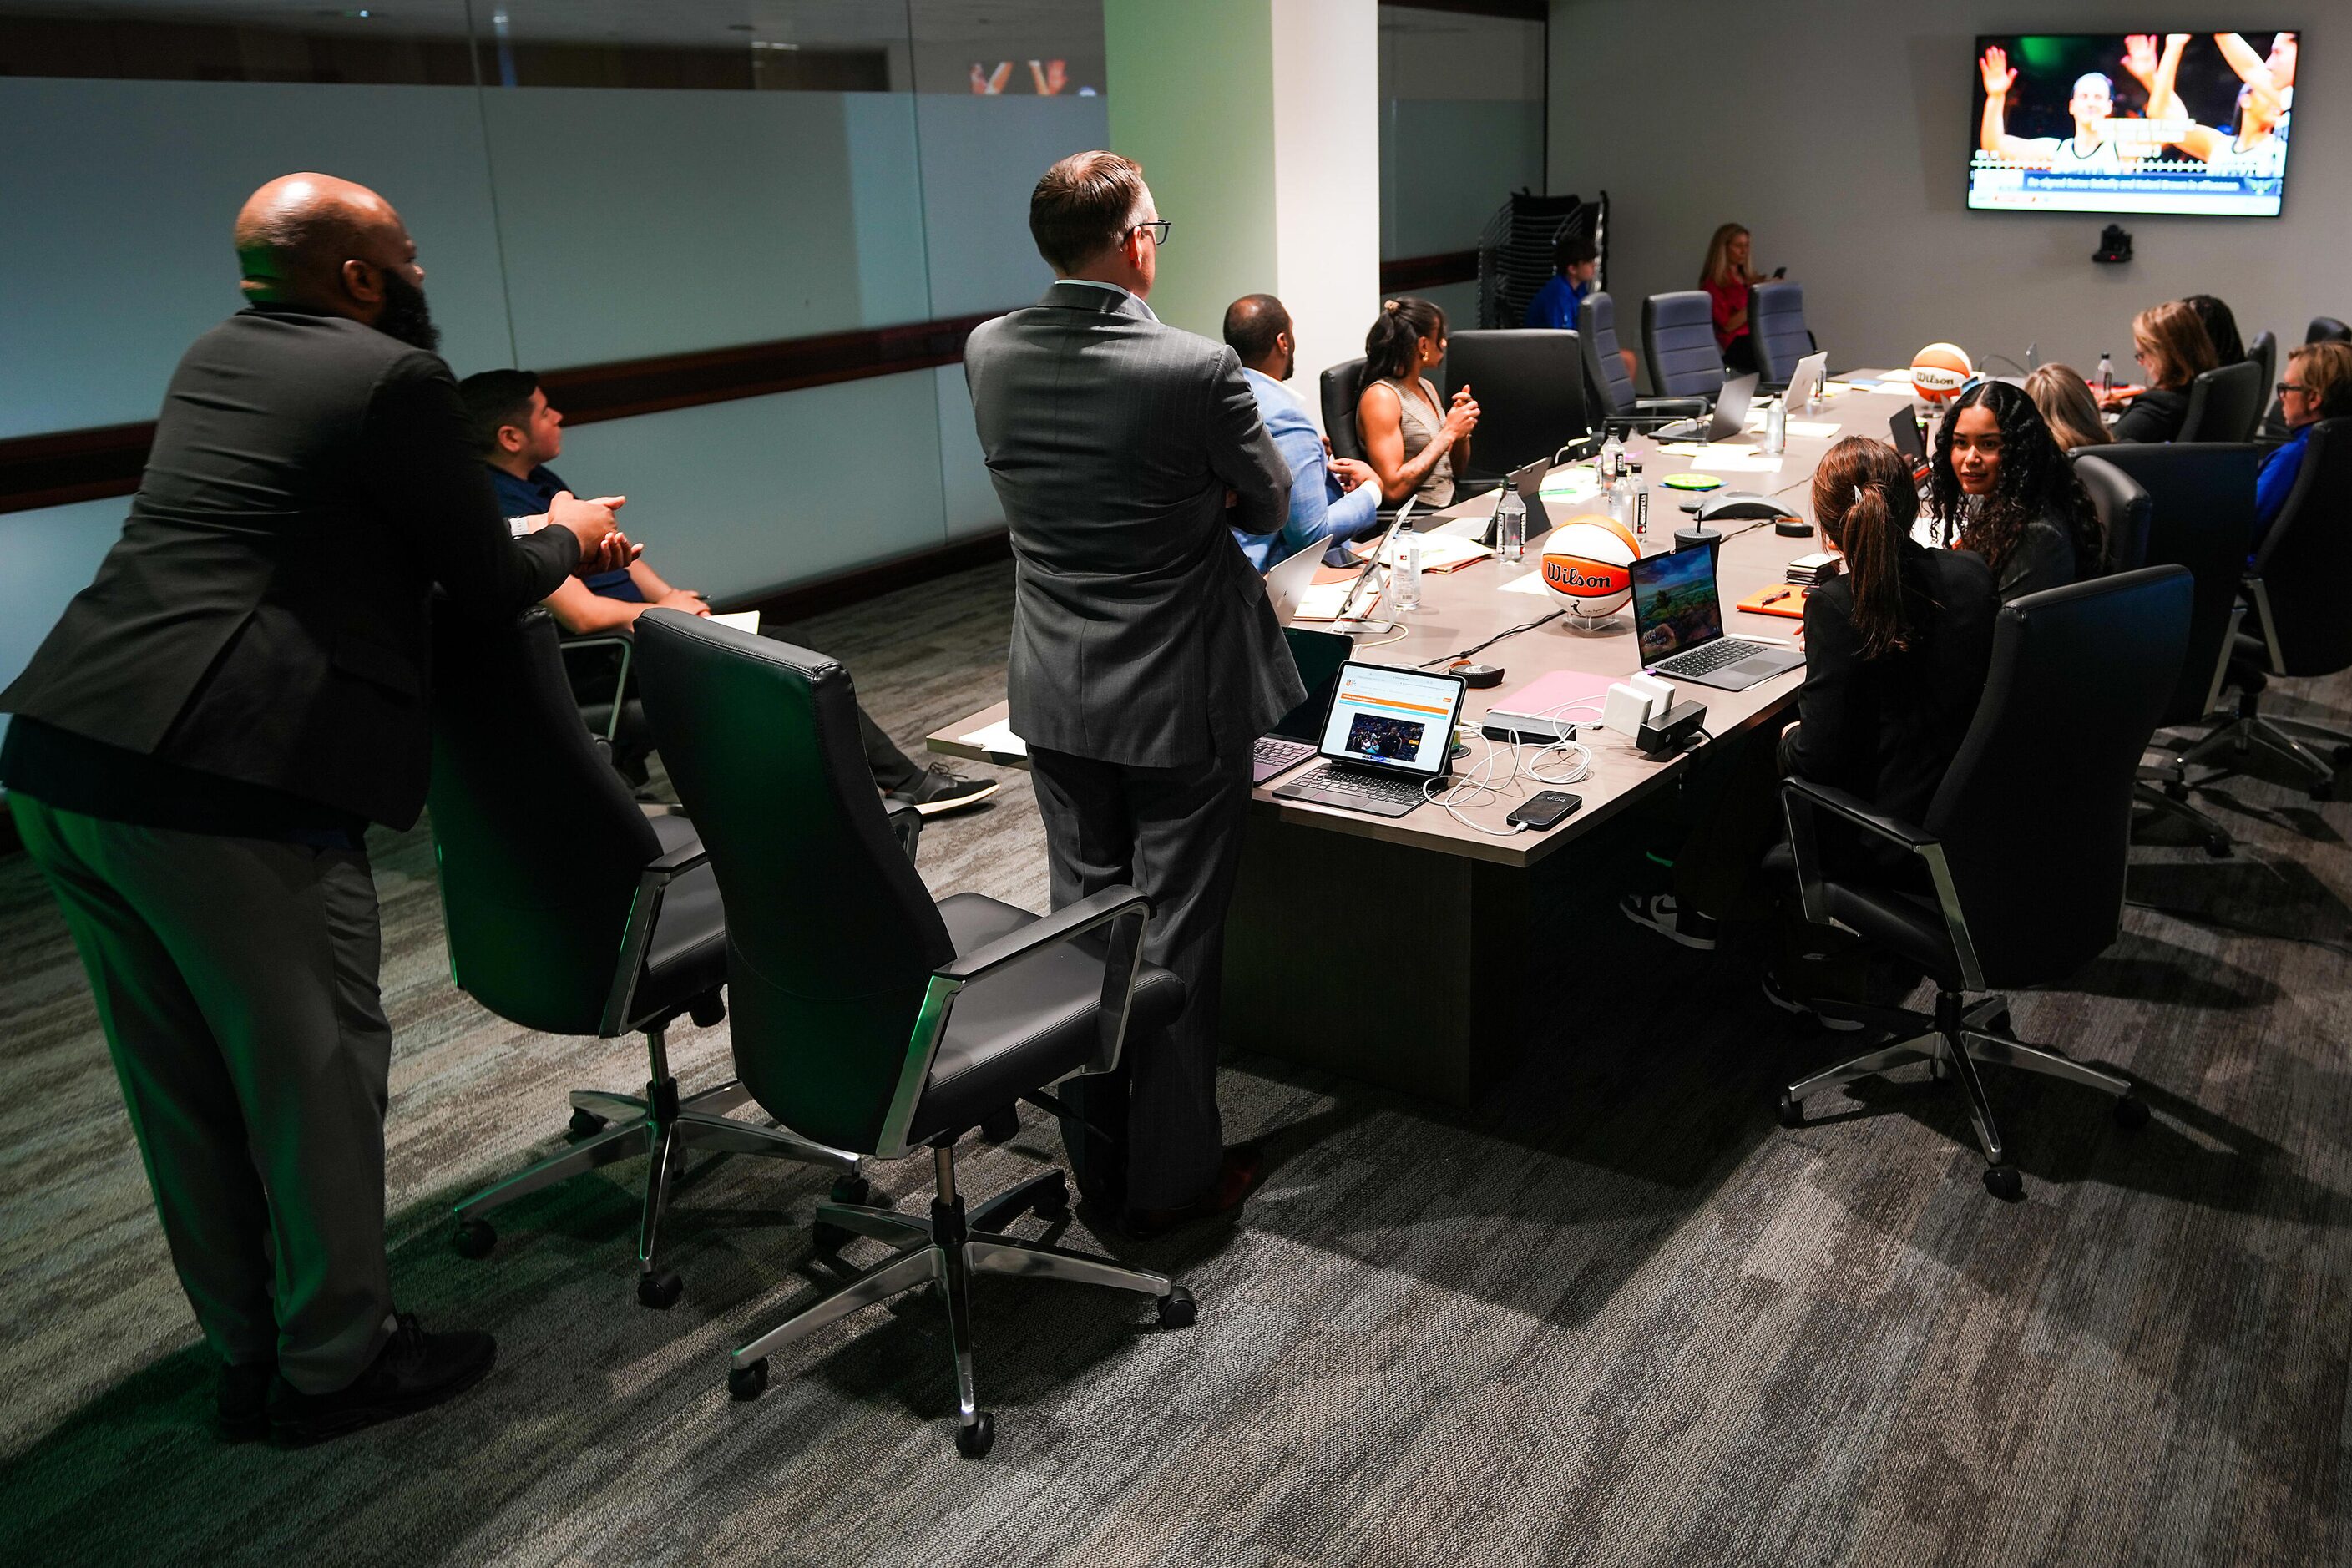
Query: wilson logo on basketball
1570, 574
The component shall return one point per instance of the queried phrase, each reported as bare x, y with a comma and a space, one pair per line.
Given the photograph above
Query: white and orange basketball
1939, 370
1588, 565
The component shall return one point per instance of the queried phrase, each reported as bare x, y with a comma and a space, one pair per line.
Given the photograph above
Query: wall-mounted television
2132, 122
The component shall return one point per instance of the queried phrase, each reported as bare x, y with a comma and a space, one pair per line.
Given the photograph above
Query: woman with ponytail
1896, 647
1415, 443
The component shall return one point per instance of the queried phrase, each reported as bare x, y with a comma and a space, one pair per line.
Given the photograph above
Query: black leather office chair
1614, 401
1529, 382
2326, 330
1678, 342
2270, 428
2203, 523
2224, 404
2263, 350
1342, 384
570, 911
2201, 515
2019, 896
865, 1014
1776, 329
2300, 587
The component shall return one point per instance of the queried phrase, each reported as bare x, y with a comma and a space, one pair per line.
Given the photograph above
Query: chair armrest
1673, 408
906, 824
637, 935
1855, 810
622, 641
1062, 925
677, 863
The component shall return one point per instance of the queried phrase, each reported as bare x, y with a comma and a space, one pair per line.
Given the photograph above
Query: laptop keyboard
1361, 782
1707, 659
1272, 750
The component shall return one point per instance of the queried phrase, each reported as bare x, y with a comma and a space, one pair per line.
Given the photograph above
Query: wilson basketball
1587, 564
1939, 370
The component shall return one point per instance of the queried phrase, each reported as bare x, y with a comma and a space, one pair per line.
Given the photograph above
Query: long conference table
1322, 890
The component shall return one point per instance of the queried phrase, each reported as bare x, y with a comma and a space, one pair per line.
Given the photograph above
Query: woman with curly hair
2000, 481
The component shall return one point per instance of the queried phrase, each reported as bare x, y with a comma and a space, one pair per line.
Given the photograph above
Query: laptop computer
1373, 561
1387, 735
1319, 655
1528, 482
1805, 380
1287, 584
1729, 419
1678, 621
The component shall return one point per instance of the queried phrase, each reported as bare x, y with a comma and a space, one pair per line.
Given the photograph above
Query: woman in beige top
1413, 442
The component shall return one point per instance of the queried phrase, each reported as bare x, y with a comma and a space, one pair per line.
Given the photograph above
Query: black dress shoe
414, 1371
1237, 1173
241, 1400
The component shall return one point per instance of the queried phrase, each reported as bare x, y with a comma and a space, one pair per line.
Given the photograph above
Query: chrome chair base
2316, 750
944, 1252
663, 1126
1952, 1042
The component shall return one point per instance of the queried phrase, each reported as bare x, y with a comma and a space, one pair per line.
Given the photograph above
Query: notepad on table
741, 620
1776, 599
997, 740
1439, 552
1321, 601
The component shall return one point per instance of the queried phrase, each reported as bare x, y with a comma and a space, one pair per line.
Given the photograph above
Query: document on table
1722, 458
1532, 583
1805, 430
1439, 552
1321, 601
997, 740
741, 620
1570, 484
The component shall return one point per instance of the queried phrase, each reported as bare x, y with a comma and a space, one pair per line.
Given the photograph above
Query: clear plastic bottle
1404, 577
1776, 427
1611, 465
2106, 373
1641, 494
1511, 524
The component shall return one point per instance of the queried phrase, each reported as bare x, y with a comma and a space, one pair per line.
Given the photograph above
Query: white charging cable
1477, 784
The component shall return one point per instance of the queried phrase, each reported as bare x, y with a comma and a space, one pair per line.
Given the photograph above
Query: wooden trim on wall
63, 466
1408, 273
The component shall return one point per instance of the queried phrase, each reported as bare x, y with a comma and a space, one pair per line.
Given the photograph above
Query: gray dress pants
1175, 834
236, 979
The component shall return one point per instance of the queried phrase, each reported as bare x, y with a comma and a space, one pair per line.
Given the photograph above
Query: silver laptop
1729, 419
1678, 620
1805, 380
1387, 735
1287, 584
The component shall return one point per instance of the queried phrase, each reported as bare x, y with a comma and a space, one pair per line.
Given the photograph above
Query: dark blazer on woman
2043, 558
2153, 416
1886, 729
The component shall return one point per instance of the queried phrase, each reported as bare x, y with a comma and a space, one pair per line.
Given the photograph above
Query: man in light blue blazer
1331, 501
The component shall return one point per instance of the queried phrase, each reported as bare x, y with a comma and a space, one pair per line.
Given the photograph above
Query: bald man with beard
198, 748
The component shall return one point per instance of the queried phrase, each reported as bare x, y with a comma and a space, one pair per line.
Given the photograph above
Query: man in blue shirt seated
2318, 386
1577, 263
518, 433
1332, 500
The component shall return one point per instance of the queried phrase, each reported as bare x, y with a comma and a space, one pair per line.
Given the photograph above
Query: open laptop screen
1399, 719
1675, 603
1319, 655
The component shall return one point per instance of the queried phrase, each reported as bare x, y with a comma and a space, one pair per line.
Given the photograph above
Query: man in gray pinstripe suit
1146, 657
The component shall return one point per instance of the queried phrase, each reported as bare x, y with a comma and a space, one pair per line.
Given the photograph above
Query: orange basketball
1587, 564
1939, 370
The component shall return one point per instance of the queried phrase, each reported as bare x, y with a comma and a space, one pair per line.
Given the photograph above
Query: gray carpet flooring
1614, 1314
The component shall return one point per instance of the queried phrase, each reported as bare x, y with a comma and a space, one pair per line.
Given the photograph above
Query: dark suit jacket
1141, 634
1887, 729
263, 617
2153, 416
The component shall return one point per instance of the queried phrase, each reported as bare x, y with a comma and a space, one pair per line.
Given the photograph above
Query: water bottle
1611, 462
1776, 427
1511, 524
1404, 575
1641, 502
2107, 374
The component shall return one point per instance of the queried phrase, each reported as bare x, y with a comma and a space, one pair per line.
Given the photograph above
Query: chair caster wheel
660, 1292
2131, 1112
474, 1239
745, 1383
2176, 792
2219, 848
1177, 1308
974, 1441
1000, 1126
1053, 1205
586, 1123
1790, 1113
851, 1188
2003, 1182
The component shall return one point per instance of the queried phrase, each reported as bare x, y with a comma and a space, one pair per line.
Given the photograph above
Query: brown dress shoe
1237, 1174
